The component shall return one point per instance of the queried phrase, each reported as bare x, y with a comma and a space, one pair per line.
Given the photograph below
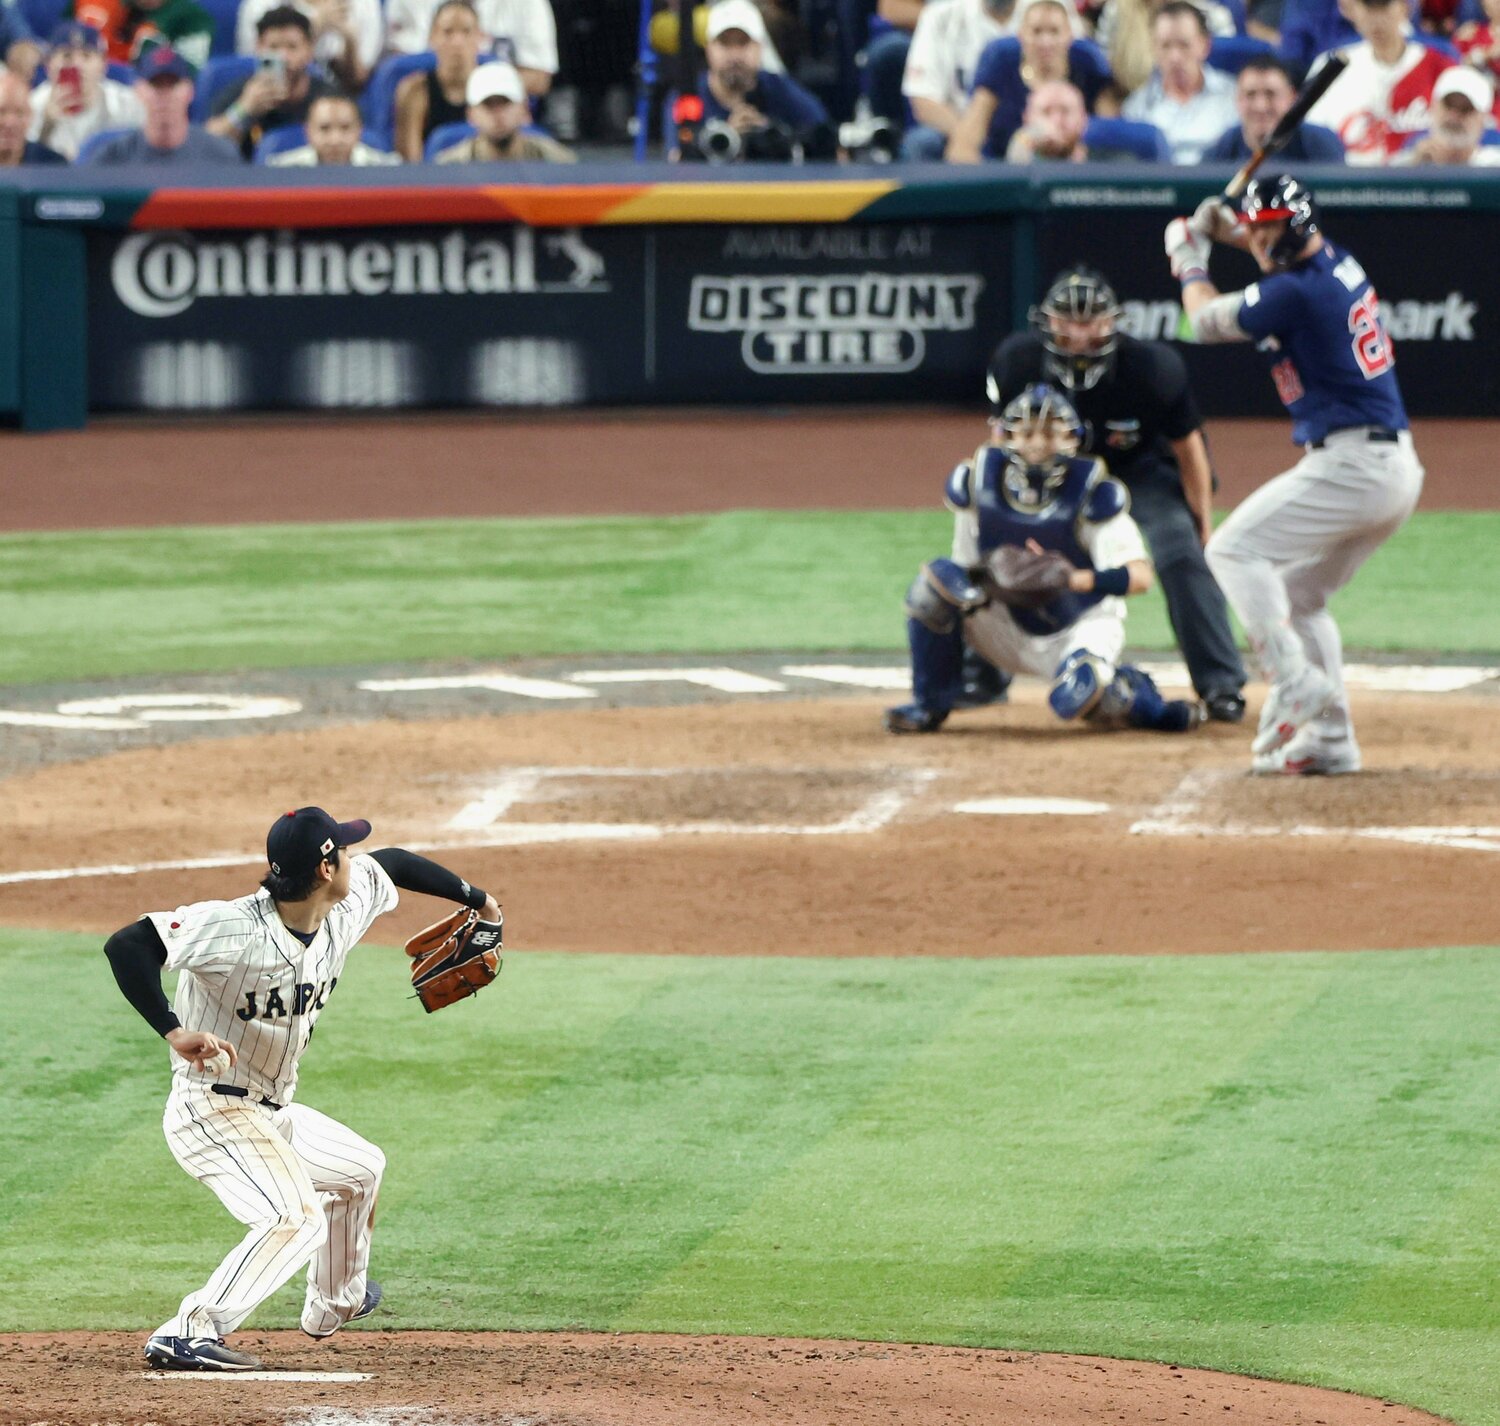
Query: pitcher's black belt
1372, 433
240, 1093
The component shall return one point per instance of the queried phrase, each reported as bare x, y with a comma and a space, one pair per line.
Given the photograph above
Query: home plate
256, 1376
1032, 807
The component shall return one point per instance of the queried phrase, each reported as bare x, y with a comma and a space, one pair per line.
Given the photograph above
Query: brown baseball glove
1026, 578
454, 958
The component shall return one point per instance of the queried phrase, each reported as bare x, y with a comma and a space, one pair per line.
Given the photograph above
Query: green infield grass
99, 605
1284, 1165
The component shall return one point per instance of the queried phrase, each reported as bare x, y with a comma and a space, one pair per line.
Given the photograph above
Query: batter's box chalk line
1185, 812
259, 1376
322, 1415
481, 815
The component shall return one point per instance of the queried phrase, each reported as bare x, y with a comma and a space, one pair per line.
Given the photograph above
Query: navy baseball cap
165, 63
70, 34
298, 841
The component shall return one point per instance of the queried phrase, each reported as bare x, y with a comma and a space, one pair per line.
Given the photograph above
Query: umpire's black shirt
1134, 413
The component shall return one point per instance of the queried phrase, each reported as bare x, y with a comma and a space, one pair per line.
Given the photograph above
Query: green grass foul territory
1284, 1165
124, 602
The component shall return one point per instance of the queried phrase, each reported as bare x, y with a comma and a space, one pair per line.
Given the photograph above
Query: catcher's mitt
1026, 578
455, 957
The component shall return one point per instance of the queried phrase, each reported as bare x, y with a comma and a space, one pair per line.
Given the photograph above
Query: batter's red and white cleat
1309, 755
1290, 707
198, 1354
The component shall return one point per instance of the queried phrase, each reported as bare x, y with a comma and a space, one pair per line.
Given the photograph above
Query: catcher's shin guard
936, 665
1086, 687
1079, 685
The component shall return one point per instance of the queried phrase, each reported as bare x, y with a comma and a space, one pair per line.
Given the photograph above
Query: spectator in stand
77, 98
1124, 33
18, 46
497, 109
1263, 92
885, 59
1383, 98
1053, 129
427, 100
769, 111
333, 139
15, 113
164, 85
1479, 43
347, 35
1044, 48
1462, 100
1188, 101
1311, 27
521, 31
133, 28
281, 90
945, 49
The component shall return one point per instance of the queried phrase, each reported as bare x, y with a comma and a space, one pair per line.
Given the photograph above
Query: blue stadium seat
1145, 141
379, 103
97, 141
279, 140
44, 16
217, 74
444, 137
1231, 52
226, 17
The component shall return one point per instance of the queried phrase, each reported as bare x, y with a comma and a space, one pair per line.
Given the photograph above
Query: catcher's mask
1040, 431
1270, 200
1076, 322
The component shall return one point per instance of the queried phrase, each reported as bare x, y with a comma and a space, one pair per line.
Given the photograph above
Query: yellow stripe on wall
749, 202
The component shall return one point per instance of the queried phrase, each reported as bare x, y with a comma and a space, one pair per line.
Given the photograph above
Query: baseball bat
1288, 124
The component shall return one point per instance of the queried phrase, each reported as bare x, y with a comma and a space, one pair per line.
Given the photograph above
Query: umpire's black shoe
1226, 705
984, 692
198, 1354
914, 718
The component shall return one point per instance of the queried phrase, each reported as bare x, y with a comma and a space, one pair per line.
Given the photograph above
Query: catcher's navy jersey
1332, 360
1064, 515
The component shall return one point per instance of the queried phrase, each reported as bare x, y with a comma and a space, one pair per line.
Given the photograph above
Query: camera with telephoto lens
715, 141
871, 140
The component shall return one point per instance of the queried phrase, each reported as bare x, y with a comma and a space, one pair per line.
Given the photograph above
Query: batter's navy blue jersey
1331, 357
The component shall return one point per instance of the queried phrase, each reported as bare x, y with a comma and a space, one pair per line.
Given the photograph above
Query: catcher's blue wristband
1112, 581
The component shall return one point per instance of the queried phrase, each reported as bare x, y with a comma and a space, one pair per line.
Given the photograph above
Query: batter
1299, 538
255, 974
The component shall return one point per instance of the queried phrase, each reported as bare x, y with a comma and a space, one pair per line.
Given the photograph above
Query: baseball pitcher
254, 976
1044, 553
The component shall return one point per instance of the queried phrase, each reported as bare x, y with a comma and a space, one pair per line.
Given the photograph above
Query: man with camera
745, 113
281, 90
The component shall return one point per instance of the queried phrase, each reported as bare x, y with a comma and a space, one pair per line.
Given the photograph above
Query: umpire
1140, 419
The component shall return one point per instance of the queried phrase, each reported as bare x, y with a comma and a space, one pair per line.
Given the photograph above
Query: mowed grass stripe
1243, 1162
116, 603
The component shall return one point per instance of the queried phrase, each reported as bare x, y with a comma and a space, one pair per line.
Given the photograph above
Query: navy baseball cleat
1224, 705
198, 1354
373, 1294
914, 718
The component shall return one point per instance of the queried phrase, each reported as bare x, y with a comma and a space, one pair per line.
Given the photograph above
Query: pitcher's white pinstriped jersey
248, 980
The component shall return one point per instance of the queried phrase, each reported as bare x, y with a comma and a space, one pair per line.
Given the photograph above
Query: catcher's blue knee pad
1079, 685
1087, 686
941, 594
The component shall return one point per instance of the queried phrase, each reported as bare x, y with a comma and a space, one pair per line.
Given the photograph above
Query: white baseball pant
1008, 646
1300, 538
303, 1184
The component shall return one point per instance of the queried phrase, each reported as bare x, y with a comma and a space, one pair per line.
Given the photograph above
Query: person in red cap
254, 976
164, 85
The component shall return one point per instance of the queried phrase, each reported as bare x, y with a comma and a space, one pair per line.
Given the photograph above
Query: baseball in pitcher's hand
198, 1046
490, 911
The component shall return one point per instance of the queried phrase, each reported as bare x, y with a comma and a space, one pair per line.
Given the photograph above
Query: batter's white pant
1009, 647
304, 1186
1299, 538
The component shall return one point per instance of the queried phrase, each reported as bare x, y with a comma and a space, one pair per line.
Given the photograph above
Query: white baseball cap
736, 15
1461, 79
496, 80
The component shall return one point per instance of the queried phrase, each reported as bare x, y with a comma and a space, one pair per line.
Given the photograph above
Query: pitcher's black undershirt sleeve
136, 955
410, 872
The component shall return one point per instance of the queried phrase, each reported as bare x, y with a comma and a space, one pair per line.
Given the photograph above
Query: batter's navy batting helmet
1269, 200
1077, 294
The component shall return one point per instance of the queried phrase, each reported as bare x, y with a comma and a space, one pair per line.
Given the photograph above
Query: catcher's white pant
1299, 538
304, 1185
996, 635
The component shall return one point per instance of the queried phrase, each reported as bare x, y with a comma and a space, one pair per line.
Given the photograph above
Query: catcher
255, 975
1044, 553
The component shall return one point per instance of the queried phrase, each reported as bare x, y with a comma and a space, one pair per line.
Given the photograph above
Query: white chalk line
257, 1376
878, 810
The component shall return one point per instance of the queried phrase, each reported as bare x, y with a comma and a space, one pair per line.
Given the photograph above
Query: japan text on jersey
1332, 359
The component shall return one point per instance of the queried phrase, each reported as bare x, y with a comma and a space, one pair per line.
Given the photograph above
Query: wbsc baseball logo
163, 274
860, 324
